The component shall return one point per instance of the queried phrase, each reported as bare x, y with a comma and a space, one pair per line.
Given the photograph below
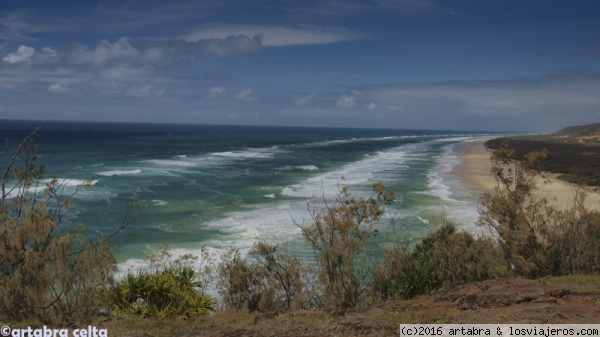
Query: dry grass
580, 303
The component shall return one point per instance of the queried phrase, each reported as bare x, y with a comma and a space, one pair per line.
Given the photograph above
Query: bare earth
475, 173
570, 299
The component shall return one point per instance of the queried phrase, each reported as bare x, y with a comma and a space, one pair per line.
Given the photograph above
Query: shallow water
228, 186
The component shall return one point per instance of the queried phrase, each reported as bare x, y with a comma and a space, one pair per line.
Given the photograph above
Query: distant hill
583, 134
581, 130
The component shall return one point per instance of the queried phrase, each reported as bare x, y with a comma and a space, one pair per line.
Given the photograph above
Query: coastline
474, 172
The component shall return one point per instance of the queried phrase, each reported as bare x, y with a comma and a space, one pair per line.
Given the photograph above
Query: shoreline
474, 172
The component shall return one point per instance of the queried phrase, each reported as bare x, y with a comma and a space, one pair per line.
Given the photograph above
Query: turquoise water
228, 186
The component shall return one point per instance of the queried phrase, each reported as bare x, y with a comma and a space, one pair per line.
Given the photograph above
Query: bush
574, 239
537, 239
167, 289
286, 278
462, 258
515, 215
416, 272
444, 258
338, 236
267, 281
241, 284
48, 272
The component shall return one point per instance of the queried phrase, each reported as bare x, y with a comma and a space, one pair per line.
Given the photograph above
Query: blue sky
430, 64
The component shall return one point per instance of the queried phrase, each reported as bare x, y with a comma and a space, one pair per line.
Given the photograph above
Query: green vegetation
166, 289
572, 161
339, 236
589, 132
445, 258
268, 281
49, 274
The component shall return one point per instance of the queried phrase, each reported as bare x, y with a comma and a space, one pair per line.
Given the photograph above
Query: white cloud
522, 104
217, 92
119, 67
28, 54
45, 56
544, 103
49, 52
104, 52
24, 21
145, 90
23, 53
346, 102
246, 95
232, 44
127, 73
153, 55
215, 46
273, 36
306, 99
57, 88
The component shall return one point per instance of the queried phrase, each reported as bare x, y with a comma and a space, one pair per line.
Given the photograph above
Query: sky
510, 65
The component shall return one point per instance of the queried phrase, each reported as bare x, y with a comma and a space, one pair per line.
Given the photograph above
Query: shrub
574, 239
267, 280
444, 258
241, 284
462, 258
537, 239
515, 215
48, 271
166, 289
286, 278
416, 272
338, 236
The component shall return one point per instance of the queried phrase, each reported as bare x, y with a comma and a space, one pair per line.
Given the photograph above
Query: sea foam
119, 173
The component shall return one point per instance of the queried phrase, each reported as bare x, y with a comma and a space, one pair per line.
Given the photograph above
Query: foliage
444, 258
415, 273
514, 214
537, 239
574, 239
338, 236
421, 268
286, 278
462, 258
386, 273
48, 272
241, 284
269, 281
166, 289
574, 163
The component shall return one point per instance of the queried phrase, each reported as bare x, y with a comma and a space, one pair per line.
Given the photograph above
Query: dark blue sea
224, 187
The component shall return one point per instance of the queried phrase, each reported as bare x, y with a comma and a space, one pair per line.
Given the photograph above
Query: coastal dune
475, 173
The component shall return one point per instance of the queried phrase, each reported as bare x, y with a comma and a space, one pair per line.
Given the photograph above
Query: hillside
571, 299
573, 152
584, 134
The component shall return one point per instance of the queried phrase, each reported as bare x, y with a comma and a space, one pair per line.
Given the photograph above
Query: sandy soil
475, 172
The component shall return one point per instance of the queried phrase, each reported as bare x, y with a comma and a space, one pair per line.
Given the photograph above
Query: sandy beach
475, 173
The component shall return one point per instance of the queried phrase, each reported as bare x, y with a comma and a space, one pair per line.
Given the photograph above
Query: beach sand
475, 173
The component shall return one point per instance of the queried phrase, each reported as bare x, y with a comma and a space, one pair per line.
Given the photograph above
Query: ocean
225, 187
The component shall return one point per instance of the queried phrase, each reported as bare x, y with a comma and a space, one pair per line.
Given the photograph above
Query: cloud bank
273, 36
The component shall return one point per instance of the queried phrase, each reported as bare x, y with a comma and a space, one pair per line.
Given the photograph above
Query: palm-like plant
162, 293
